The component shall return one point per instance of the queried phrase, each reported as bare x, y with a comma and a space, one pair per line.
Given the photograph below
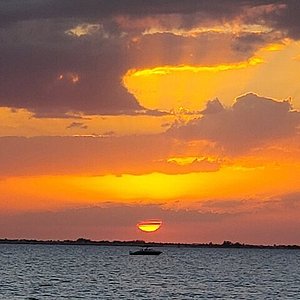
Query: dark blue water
90, 272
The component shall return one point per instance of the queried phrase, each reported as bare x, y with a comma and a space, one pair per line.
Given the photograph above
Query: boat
145, 251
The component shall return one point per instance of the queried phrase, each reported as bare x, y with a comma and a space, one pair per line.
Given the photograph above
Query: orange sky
132, 118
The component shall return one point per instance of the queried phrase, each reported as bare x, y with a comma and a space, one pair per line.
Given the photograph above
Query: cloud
95, 156
286, 19
213, 106
249, 43
233, 220
136, 13
257, 125
14, 11
109, 133
284, 202
251, 121
202, 49
255, 205
231, 206
77, 125
109, 222
52, 73
68, 57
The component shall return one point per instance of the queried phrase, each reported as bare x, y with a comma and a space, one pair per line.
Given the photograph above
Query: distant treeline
140, 243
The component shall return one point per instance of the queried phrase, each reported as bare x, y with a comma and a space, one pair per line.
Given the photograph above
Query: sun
149, 225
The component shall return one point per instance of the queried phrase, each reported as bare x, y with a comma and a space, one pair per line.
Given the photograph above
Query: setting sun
149, 226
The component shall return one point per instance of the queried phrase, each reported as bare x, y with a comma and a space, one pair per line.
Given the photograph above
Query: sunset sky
115, 112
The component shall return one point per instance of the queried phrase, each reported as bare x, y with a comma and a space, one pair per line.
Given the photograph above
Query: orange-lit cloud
199, 145
235, 28
84, 29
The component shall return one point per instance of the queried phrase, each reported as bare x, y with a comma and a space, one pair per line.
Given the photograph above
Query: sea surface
109, 272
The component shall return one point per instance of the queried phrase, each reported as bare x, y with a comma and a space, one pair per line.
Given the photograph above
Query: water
90, 272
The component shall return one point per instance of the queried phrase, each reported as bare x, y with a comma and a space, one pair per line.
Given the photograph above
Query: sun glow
83, 29
191, 86
195, 69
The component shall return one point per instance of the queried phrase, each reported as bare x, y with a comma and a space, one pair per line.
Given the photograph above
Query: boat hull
145, 252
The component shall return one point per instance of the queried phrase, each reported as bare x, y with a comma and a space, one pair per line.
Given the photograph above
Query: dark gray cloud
251, 121
16, 10
286, 19
170, 49
54, 73
248, 43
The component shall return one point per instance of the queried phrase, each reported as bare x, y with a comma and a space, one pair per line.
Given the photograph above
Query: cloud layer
273, 222
69, 56
251, 121
96, 156
200, 145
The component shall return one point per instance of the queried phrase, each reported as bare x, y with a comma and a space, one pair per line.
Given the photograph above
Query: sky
116, 112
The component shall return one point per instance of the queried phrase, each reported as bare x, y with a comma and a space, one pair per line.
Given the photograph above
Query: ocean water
105, 272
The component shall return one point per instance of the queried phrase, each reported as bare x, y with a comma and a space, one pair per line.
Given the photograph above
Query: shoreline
140, 243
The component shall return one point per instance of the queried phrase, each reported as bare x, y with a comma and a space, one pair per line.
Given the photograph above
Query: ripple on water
90, 272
